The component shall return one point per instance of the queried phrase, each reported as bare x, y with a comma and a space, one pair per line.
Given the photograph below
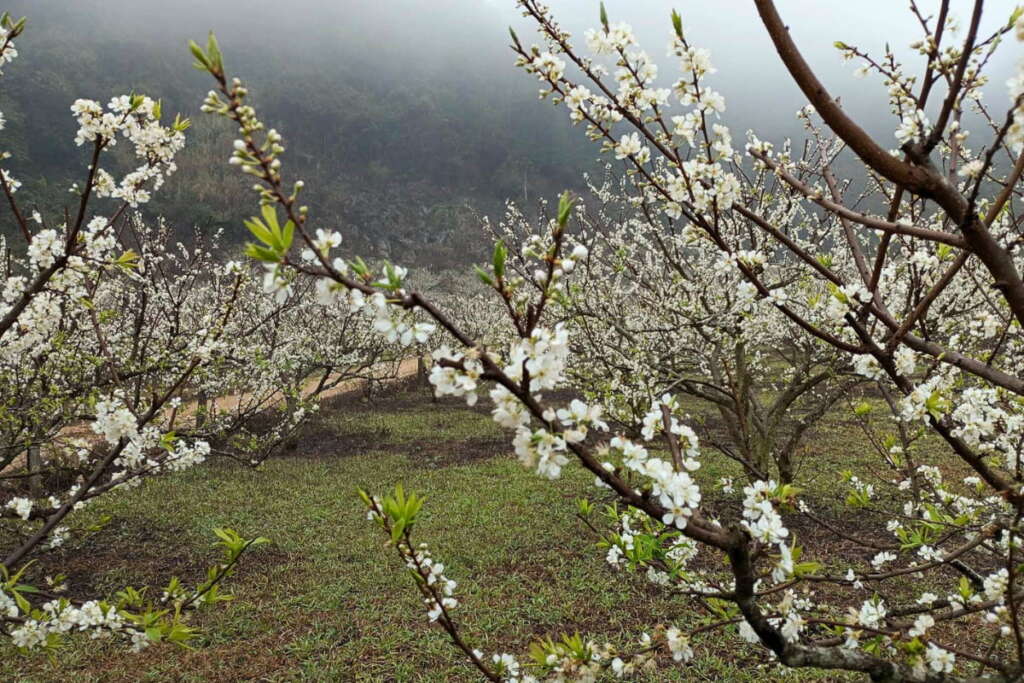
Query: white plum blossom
619, 36
872, 613
629, 145
881, 559
549, 66
792, 627
921, 625
21, 506
972, 169
760, 516
114, 421
939, 660
449, 380
913, 127
678, 645
905, 360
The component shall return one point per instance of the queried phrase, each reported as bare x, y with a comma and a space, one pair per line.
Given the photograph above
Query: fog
458, 40
757, 88
379, 97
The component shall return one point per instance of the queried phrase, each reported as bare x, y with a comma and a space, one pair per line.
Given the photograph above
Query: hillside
399, 152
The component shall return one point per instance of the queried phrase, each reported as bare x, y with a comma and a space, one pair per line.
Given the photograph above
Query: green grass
326, 600
414, 424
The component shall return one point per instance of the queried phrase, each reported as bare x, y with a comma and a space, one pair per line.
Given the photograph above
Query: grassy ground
325, 601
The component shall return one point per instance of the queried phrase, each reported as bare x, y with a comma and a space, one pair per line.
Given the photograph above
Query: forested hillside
401, 146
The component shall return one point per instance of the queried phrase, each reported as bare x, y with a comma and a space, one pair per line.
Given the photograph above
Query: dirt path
406, 368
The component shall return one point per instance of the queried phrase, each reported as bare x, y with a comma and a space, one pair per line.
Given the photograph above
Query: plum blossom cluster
136, 118
131, 618
59, 618
455, 374
759, 514
434, 577
699, 181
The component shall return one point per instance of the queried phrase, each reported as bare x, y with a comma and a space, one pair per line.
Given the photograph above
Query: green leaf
226, 535
484, 276
260, 231
286, 239
254, 251
22, 603
12, 581
836, 292
677, 24
498, 259
359, 266
270, 216
167, 441
128, 259
213, 50
965, 588
270, 219
202, 62
396, 530
805, 568
1013, 17
936, 405
565, 203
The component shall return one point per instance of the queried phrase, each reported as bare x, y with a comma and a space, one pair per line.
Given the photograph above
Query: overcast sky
467, 39
757, 89
471, 34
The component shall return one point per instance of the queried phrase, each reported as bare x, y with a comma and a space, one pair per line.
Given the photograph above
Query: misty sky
468, 39
346, 48
455, 33
758, 91
458, 39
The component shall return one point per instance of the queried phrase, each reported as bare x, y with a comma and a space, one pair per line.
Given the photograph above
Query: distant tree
656, 312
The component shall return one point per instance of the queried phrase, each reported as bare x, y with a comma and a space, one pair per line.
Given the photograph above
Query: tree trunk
784, 463
202, 409
34, 461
